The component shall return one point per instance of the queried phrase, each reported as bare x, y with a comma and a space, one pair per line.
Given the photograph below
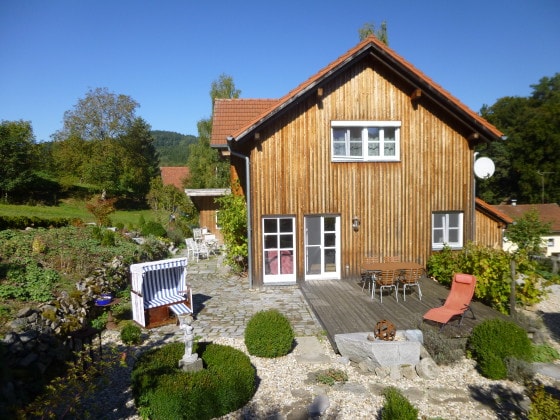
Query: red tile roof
174, 175
382, 52
232, 114
492, 211
548, 213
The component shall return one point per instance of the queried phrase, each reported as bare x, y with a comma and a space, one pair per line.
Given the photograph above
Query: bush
397, 407
154, 229
163, 391
269, 334
493, 273
544, 406
442, 349
131, 334
494, 340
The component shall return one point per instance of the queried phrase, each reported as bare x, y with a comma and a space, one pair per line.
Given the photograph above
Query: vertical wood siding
292, 172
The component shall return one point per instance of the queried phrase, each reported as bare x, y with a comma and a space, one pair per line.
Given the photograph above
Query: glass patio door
279, 250
322, 247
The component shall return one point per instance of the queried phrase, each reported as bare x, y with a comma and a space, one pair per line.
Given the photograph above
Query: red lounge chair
458, 301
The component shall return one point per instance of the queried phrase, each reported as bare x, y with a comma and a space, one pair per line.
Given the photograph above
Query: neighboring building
548, 213
174, 175
208, 210
367, 157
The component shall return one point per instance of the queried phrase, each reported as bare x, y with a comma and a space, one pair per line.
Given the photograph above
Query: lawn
77, 209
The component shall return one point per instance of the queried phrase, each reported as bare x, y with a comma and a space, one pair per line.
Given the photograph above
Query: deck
342, 307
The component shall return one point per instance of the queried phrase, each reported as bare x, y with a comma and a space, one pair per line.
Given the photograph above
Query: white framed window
550, 242
447, 229
368, 141
217, 220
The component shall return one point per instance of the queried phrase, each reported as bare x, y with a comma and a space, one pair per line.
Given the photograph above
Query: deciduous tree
17, 158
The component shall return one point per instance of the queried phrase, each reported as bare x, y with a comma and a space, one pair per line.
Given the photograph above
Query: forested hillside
173, 148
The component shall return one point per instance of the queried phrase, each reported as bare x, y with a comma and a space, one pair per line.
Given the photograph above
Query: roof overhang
479, 130
208, 192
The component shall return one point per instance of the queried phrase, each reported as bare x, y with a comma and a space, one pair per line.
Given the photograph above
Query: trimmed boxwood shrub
269, 334
494, 341
163, 391
131, 333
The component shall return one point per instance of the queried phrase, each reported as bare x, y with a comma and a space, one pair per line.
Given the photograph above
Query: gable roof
492, 212
375, 48
232, 114
174, 175
548, 213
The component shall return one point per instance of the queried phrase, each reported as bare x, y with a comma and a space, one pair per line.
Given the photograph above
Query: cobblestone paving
224, 303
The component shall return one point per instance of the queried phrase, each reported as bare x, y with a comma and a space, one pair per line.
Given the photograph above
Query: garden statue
190, 360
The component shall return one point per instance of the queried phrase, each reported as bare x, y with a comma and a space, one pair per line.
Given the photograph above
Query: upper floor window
447, 229
365, 141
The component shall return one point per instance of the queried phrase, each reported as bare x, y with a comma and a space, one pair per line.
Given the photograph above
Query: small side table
111, 324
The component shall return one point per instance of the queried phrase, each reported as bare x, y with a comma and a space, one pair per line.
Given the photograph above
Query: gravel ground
286, 387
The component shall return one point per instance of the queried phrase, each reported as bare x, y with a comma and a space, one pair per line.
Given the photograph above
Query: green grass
74, 208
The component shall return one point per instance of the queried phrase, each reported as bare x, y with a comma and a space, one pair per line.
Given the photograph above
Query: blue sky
166, 54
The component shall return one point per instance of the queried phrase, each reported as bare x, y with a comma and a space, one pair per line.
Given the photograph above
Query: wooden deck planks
342, 307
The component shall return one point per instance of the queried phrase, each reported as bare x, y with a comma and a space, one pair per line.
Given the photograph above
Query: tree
104, 145
529, 160
368, 29
527, 232
98, 116
206, 169
17, 157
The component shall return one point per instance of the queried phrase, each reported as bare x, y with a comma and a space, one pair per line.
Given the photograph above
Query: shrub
397, 406
518, 370
442, 349
269, 334
131, 334
163, 391
494, 340
154, 229
544, 406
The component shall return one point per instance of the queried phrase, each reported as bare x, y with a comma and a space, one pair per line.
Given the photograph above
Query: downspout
248, 197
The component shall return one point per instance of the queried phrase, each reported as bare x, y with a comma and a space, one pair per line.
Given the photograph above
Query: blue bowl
103, 300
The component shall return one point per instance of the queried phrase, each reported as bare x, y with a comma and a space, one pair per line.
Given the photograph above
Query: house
368, 157
174, 175
204, 200
548, 213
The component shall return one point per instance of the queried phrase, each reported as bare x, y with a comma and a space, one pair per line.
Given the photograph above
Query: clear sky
165, 54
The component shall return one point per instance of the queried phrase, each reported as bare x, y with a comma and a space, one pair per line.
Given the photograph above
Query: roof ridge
369, 42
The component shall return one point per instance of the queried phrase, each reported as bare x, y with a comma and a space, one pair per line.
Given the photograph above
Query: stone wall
37, 340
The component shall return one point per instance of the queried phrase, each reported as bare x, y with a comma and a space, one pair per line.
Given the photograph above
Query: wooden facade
205, 202
490, 225
288, 151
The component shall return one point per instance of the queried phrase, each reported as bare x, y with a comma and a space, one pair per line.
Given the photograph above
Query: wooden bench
160, 292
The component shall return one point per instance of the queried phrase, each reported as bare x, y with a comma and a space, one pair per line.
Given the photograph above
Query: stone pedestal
193, 365
404, 350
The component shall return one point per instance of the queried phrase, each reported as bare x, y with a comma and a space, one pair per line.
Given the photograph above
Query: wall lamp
356, 223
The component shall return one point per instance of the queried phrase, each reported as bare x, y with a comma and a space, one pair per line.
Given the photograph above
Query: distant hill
173, 148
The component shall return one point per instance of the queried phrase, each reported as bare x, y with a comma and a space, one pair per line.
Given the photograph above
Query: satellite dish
484, 168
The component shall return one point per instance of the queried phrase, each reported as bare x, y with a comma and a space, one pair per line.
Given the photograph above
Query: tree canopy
103, 144
17, 155
369, 29
528, 161
98, 116
206, 169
